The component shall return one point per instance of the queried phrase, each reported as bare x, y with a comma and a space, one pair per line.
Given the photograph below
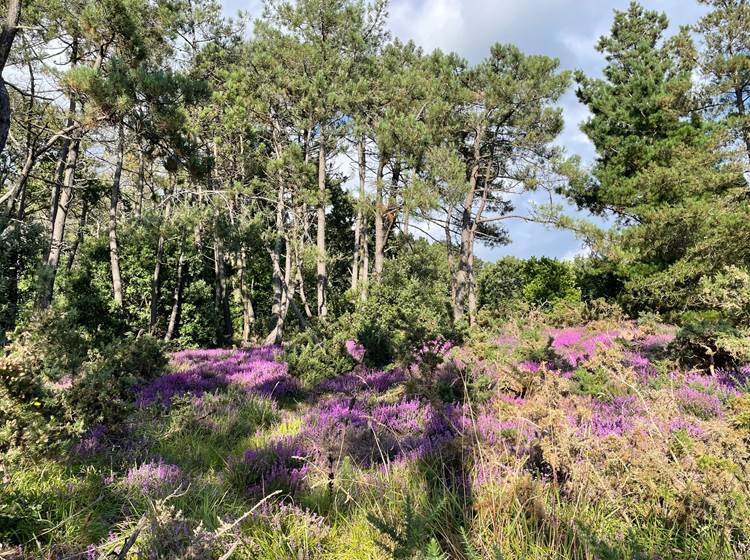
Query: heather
306, 283
501, 444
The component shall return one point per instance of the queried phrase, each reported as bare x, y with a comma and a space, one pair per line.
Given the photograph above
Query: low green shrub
102, 392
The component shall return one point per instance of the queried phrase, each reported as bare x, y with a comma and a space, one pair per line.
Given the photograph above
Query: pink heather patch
698, 403
576, 345
531, 367
642, 365
689, 426
655, 341
355, 350
152, 477
507, 340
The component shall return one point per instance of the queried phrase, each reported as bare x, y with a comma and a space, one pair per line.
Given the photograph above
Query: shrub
707, 339
30, 415
102, 392
312, 360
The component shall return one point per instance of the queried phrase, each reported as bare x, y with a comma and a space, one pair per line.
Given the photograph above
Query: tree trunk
222, 290
472, 287
467, 233
451, 257
379, 224
57, 189
277, 281
358, 221
739, 94
248, 313
321, 256
141, 181
7, 35
114, 252
58, 227
156, 278
174, 316
79, 236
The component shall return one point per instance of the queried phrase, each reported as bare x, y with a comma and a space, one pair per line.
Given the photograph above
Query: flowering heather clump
196, 381
688, 426
253, 369
698, 403
363, 380
152, 478
613, 418
92, 441
653, 342
355, 350
576, 344
495, 431
734, 380
269, 379
282, 465
531, 367
641, 365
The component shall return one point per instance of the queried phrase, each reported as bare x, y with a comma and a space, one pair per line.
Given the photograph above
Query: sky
566, 29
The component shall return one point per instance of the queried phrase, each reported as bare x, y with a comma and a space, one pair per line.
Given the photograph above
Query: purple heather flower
280, 465
641, 365
150, 478
355, 350
655, 341
698, 403
689, 426
92, 441
253, 369
574, 344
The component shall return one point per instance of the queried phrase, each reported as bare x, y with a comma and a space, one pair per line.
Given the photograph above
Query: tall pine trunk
248, 313
7, 35
156, 278
379, 220
357, 254
174, 316
321, 257
52, 260
277, 279
114, 251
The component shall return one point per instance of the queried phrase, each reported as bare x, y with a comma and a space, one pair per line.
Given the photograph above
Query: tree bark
79, 236
277, 280
467, 233
156, 278
52, 260
114, 251
174, 316
358, 221
321, 257
222, 290
379, 223
248, 313
739, 95
7, 35
141, 181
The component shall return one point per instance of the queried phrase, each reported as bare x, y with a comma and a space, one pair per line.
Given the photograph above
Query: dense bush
509, 283
103, 390
54, 381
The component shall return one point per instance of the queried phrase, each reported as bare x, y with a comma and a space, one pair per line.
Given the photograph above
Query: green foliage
313, 357
411, 531
102, 391
708, 339
407, 308
500, 285
595, 382
200, 435
548, 281
30, 416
